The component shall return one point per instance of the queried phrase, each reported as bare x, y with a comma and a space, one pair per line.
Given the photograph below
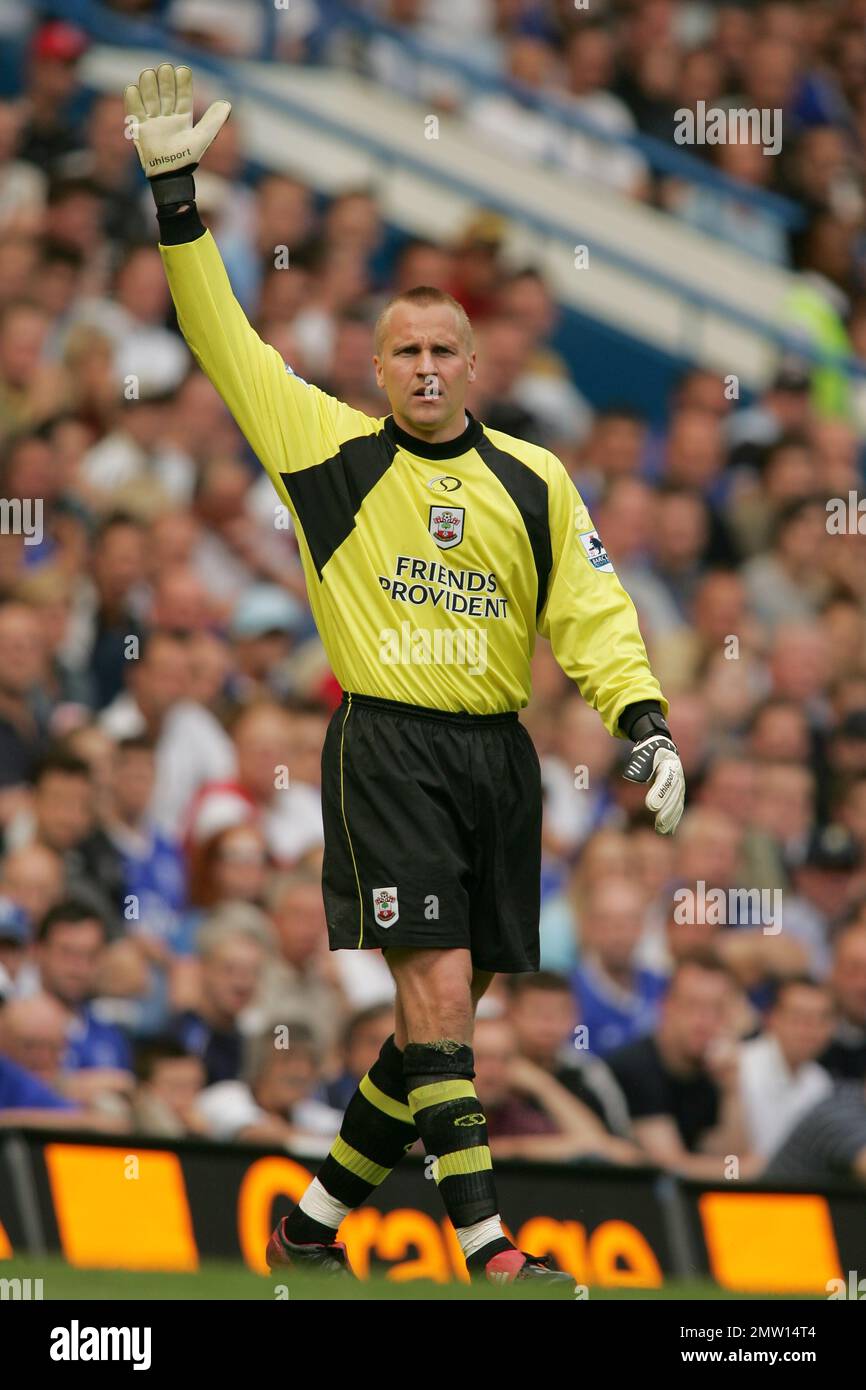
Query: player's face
424, 368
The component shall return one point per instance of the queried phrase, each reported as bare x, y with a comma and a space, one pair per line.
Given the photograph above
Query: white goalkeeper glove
655, 756
159, 113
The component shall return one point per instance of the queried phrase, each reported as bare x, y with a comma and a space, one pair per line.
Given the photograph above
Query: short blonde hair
422, 296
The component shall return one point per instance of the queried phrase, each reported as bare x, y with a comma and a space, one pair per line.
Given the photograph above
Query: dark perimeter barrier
80, 1196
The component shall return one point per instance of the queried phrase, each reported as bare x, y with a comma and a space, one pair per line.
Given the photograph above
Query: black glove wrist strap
648, 724
173, 189
634, 718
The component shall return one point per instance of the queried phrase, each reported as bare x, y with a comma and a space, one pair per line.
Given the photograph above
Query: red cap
58, 41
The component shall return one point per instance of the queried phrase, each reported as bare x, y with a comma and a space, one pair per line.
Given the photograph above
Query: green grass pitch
224, 1281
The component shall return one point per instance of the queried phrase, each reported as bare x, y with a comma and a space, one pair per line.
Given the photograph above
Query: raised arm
289, 424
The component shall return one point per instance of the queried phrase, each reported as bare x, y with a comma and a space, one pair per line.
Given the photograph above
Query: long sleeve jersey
430, 567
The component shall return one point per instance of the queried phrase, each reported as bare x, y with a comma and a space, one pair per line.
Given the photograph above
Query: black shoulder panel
328, 496
528, 492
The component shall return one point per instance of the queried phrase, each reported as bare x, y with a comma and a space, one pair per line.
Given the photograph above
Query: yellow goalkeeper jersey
429, 567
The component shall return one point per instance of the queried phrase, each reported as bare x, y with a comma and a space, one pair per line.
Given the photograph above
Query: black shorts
432, 832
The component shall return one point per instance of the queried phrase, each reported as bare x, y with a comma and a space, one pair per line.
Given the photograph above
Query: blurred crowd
164, 696
625, 67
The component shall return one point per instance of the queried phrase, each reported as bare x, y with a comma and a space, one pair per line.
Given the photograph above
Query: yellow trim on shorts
346, 823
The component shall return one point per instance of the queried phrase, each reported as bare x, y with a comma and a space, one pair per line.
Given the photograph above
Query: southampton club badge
595, 551
446, 526
385, 908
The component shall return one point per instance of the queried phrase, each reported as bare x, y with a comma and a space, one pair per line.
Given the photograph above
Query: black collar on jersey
448, 449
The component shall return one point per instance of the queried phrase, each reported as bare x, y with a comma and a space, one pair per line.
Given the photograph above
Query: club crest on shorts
446, 526
595, 551
386, 909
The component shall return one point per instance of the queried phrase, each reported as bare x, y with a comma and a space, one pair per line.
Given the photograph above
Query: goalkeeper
434, 549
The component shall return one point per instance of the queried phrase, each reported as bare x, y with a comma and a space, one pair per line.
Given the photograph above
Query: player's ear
377, 364
471, 373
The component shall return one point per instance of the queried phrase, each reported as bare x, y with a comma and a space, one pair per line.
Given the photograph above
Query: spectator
24, 184
147, 357
514, 117
229, 866
153, 876
542, 1013
287, 808
546, 389
681, 534
302, 982
23, 718
25, 1101
14, 942
612, 450
589, 60
33, 878
681, 1083
828, 1144
231, 968
781, 414
824, 890
138, 447
786, 584
739, 224
264, 625
529, 1113
51, 131
277, 1107
31, 388
616, 999
606, 851
108, 611
62, 820
779, 733
363, 1035
33, 1035
170, 1083
503, 346
845, 1056
109, 163
70, 951
191, 747
624, 518
63, 682
780, 1078
575, 778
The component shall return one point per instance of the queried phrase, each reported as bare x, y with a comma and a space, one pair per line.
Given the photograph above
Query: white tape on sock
318, 1203
473, 1238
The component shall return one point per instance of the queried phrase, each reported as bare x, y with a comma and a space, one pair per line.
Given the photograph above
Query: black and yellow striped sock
452, 1126
376, 1132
